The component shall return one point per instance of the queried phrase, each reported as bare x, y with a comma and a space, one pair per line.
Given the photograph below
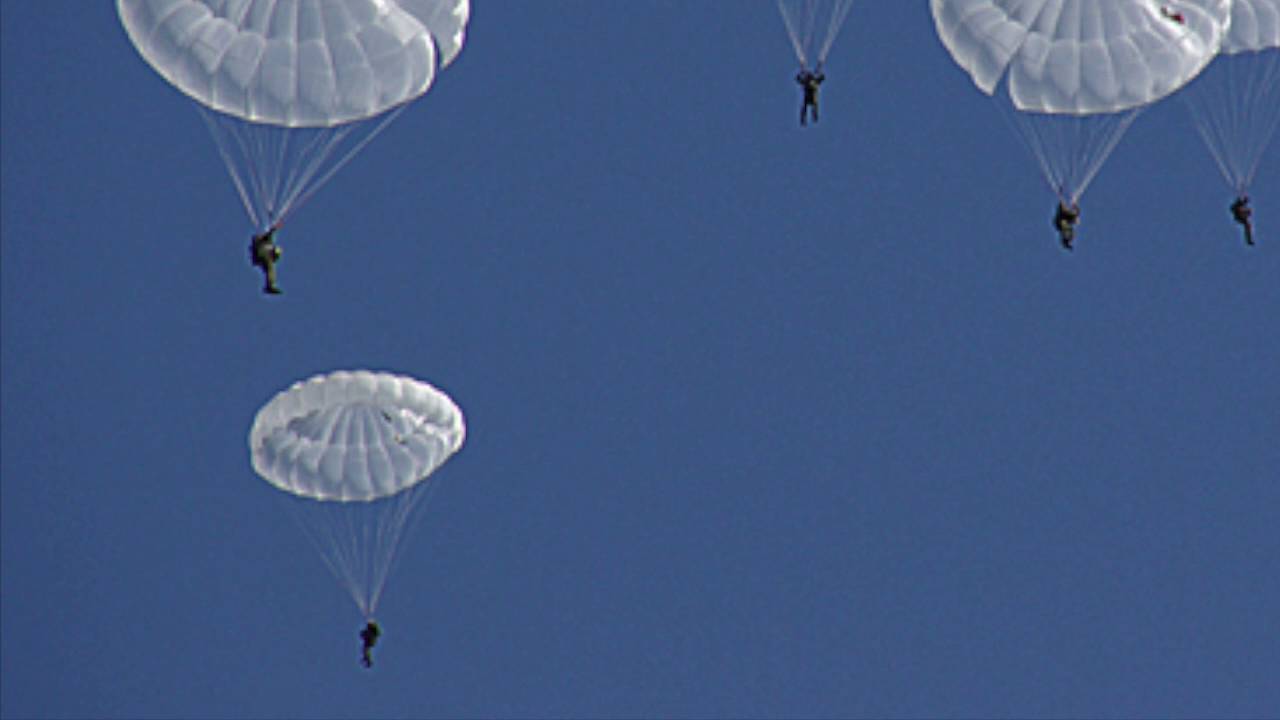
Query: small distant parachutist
1243, 214
809, 81
1065, 221
264, 253
369, 637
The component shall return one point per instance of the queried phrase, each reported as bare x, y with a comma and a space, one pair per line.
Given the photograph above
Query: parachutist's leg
1248, 233
271, 287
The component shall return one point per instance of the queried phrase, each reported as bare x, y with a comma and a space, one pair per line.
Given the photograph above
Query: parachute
1078, 72
1235, 103
352, 451
812, 26
291, 91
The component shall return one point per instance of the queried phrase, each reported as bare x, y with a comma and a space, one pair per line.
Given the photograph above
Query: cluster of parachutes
291, 90
1077, 73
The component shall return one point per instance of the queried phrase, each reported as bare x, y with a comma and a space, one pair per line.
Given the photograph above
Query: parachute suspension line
1235, 106
1070, 148
312, 153
308, 183
805, 19
332, 536
392, 534
360, 542
795, 31
223, 137
839, 11
277, 169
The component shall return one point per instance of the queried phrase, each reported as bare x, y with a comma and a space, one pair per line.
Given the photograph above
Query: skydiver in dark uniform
1065, 221
809, 81
369, 637
1243, 214
264, 253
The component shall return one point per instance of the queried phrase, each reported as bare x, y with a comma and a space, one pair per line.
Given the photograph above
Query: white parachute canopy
283, 83
1235, 103
1077, 72
812, 26
354, 451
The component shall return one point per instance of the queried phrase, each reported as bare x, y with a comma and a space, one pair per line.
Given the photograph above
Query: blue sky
762, 421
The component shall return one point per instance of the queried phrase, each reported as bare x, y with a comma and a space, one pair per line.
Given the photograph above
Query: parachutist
1243, 214
1065, 221
264, 253
809, 81
369, 636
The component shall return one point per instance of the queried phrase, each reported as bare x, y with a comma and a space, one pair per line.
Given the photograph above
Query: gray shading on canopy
354, 436
1081, 56
297, 63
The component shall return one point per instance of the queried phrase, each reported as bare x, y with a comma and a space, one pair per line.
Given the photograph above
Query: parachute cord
393, 534
217, 131
1022, 128
324, 530
804, 18
361, 542
838, 14
793, 33
1070, 149
1235, 106
275, 170
1265, 87
1099, 145
302, 193
311, 157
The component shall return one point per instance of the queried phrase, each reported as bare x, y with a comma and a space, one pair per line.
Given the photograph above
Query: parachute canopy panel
1255, 25
447, 22
297, 63
354, 436
1081, 56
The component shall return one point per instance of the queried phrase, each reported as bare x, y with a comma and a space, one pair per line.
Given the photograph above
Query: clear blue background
762, 421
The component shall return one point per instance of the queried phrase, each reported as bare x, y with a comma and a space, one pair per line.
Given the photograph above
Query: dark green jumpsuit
264, 253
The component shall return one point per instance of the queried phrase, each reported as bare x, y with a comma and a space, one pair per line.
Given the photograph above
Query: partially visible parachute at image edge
812, 26
1235, 103
351, 452
1078, 72
283, 85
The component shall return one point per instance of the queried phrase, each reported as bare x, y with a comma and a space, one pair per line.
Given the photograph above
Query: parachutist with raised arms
369, 636
809, 81
264, 253
1243, 214
1065, 221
